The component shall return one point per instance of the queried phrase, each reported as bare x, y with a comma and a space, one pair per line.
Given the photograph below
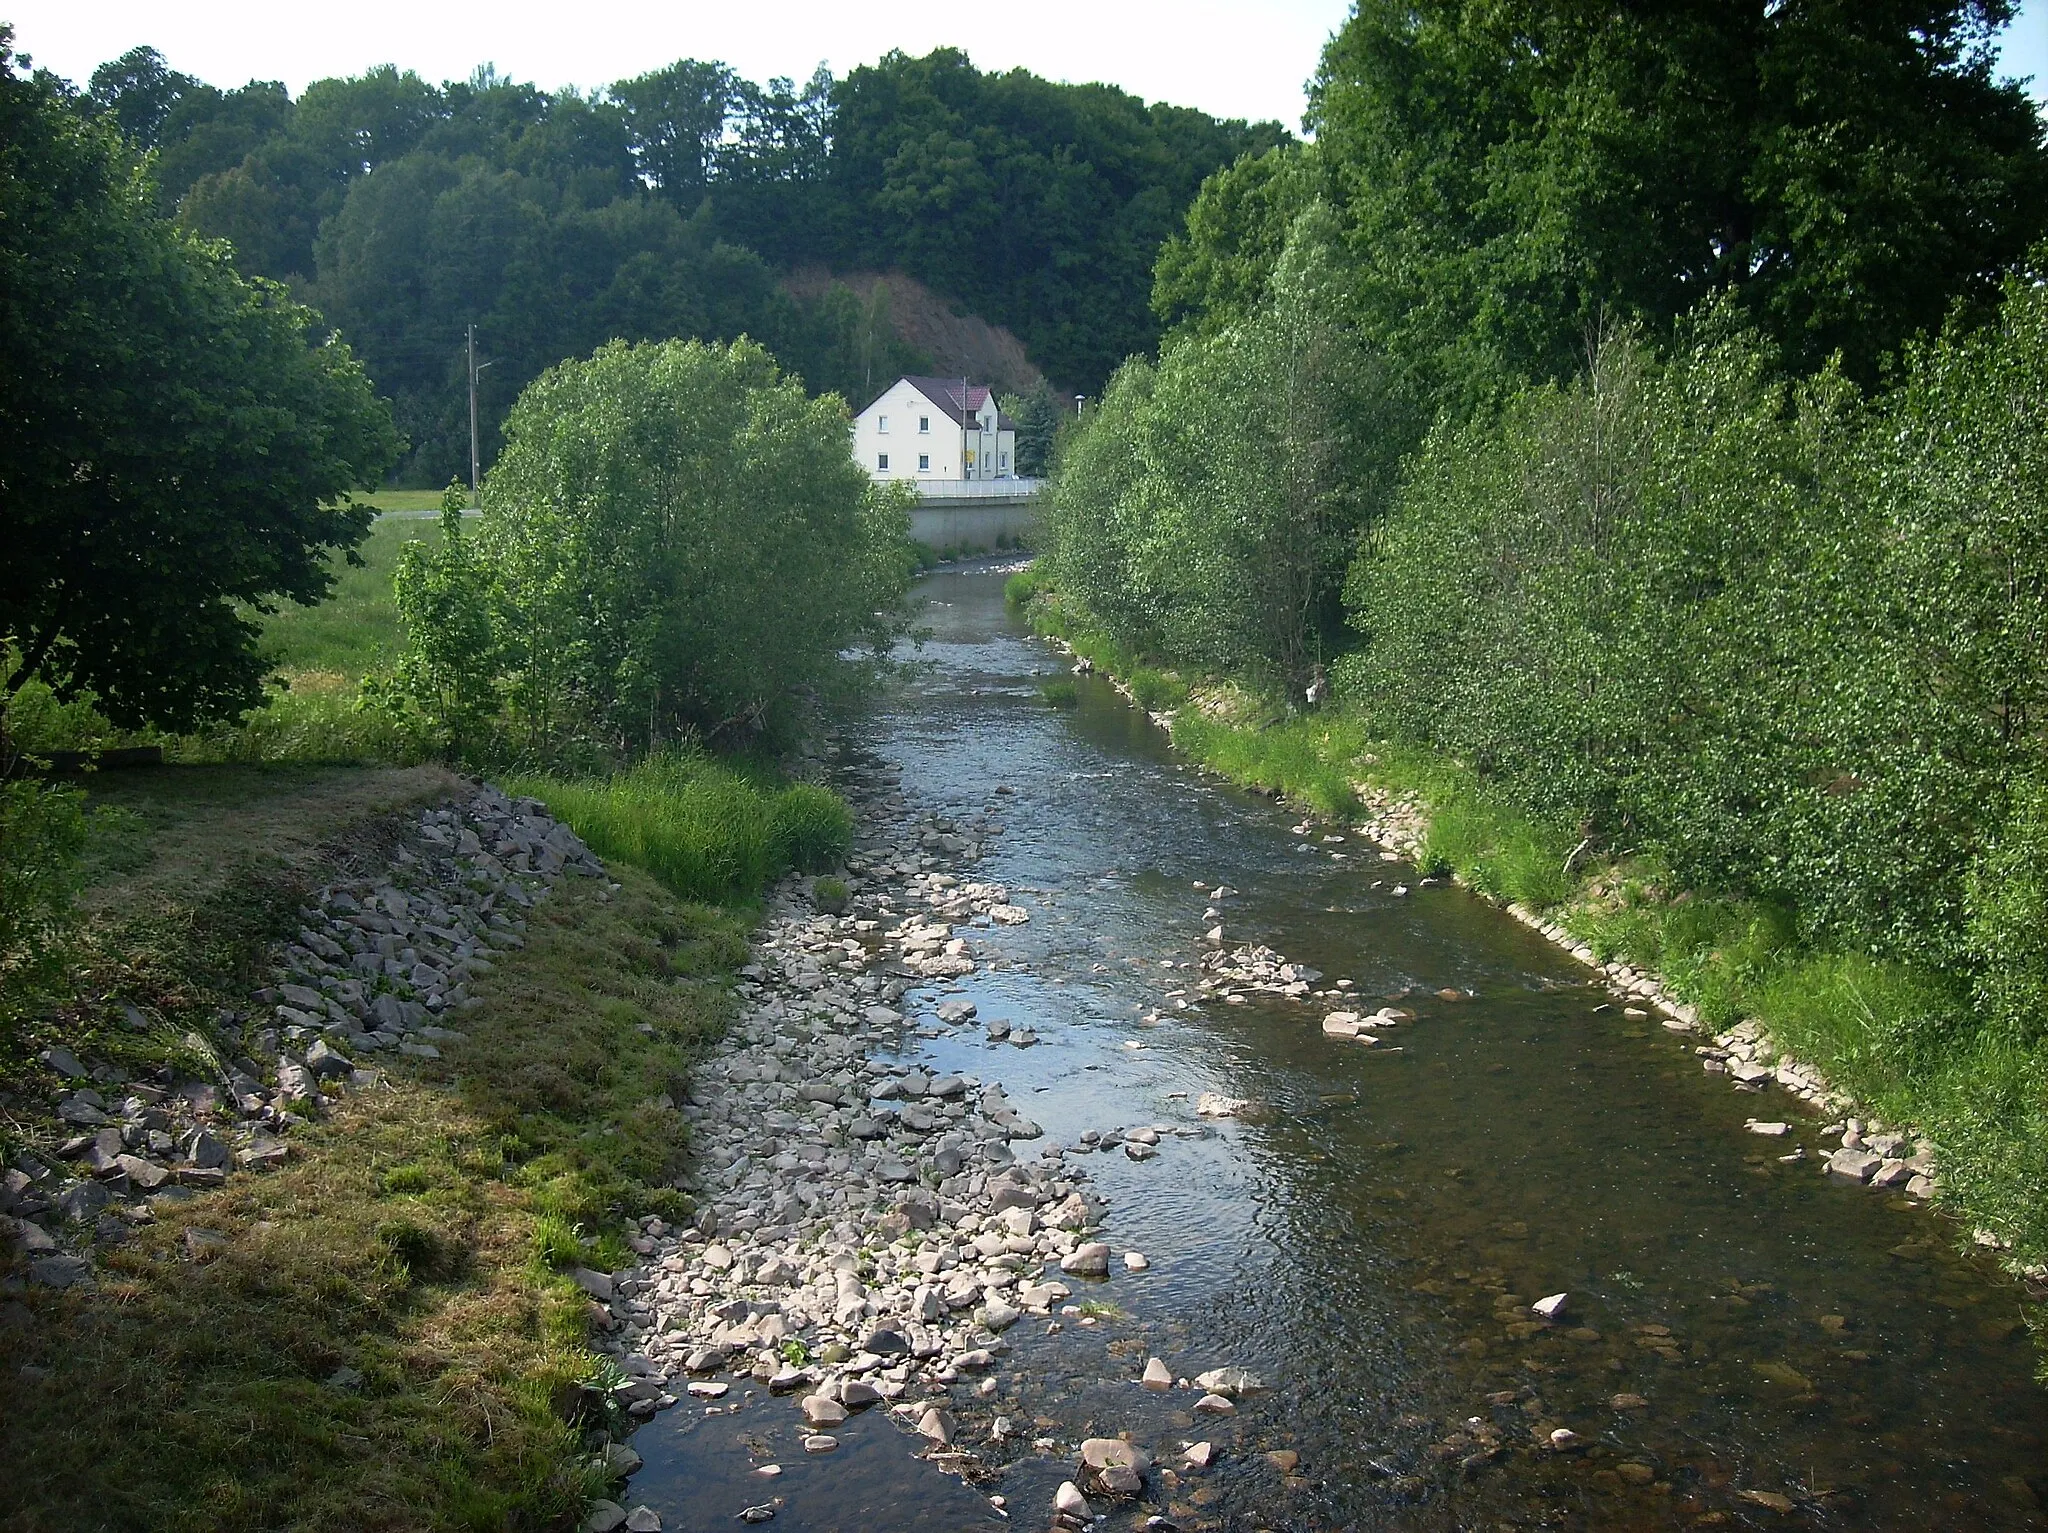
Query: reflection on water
1740, 1338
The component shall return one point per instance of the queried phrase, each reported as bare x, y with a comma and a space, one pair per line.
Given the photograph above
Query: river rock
1068, 1501
1852, 1166
1550, 1308
1113, 1466
1230, 1382
1157, 1375
937, 1425
821, 1411
1090, 1259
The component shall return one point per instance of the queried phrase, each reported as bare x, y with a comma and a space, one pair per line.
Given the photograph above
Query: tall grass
1309, 759
702, 829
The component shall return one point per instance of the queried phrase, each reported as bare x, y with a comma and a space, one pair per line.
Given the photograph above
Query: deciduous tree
176, 442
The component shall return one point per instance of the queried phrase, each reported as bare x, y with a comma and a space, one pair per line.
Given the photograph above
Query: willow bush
1787, 638
674, 544
1207, 514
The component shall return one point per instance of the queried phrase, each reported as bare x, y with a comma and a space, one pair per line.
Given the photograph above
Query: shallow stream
1362, 1239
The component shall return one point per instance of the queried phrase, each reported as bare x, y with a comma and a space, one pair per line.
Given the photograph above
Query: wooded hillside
673, 204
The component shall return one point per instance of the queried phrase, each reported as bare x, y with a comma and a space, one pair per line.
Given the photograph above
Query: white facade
933, 429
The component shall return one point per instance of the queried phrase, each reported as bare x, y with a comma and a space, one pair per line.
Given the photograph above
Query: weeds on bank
701, 828
415, 1236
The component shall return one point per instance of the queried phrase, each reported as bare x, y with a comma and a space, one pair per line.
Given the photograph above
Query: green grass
701, 828
356, 629
416, 1232
403, 500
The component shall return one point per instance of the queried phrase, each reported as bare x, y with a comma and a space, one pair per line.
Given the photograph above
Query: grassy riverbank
416, 1235
1896, 1037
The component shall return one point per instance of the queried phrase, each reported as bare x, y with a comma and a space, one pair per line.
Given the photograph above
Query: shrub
1021, 587
42, 834
1778, 636
830, 895
2008, 920
663, 552
1208, 510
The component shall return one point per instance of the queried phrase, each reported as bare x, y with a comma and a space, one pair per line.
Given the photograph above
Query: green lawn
403, 500
356, 629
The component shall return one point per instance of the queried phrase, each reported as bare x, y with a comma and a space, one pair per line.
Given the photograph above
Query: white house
934, 429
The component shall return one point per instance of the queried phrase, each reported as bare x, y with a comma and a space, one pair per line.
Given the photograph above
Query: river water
1368, 1236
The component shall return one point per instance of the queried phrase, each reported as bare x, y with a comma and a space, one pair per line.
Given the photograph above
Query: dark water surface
1361, 1240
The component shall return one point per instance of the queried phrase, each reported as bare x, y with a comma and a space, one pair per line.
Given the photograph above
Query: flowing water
1367, 1238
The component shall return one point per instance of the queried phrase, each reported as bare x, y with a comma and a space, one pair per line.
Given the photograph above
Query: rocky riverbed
869, 1232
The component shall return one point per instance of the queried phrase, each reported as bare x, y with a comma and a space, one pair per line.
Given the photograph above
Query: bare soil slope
955, 342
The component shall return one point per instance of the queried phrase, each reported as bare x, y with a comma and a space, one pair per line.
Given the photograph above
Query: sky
1232, 58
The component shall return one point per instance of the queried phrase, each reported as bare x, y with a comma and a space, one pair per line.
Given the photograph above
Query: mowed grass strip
414, 1238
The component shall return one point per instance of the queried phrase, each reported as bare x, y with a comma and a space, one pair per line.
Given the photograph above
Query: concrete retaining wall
973, 527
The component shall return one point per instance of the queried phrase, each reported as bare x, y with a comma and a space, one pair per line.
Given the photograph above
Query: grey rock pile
379, 968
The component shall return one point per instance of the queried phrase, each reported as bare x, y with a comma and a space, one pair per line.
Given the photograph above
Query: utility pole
476, 457
964, 474
476, 494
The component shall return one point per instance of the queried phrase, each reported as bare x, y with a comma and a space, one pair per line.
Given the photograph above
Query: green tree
177, 442
1037, 419
676, 543
1515, 176
139, 91
677, 119
1211, 508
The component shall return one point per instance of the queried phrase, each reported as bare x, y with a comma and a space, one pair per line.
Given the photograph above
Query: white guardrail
977, 489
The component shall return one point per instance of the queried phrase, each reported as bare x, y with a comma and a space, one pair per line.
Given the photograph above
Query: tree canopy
674, 204
1514, 176
176, 441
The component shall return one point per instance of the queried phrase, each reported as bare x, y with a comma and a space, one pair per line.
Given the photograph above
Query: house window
924, 462
924, 424
881, 462
882, 424
1002, 461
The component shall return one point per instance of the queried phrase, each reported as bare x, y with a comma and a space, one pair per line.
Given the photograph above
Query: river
1740, 1336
